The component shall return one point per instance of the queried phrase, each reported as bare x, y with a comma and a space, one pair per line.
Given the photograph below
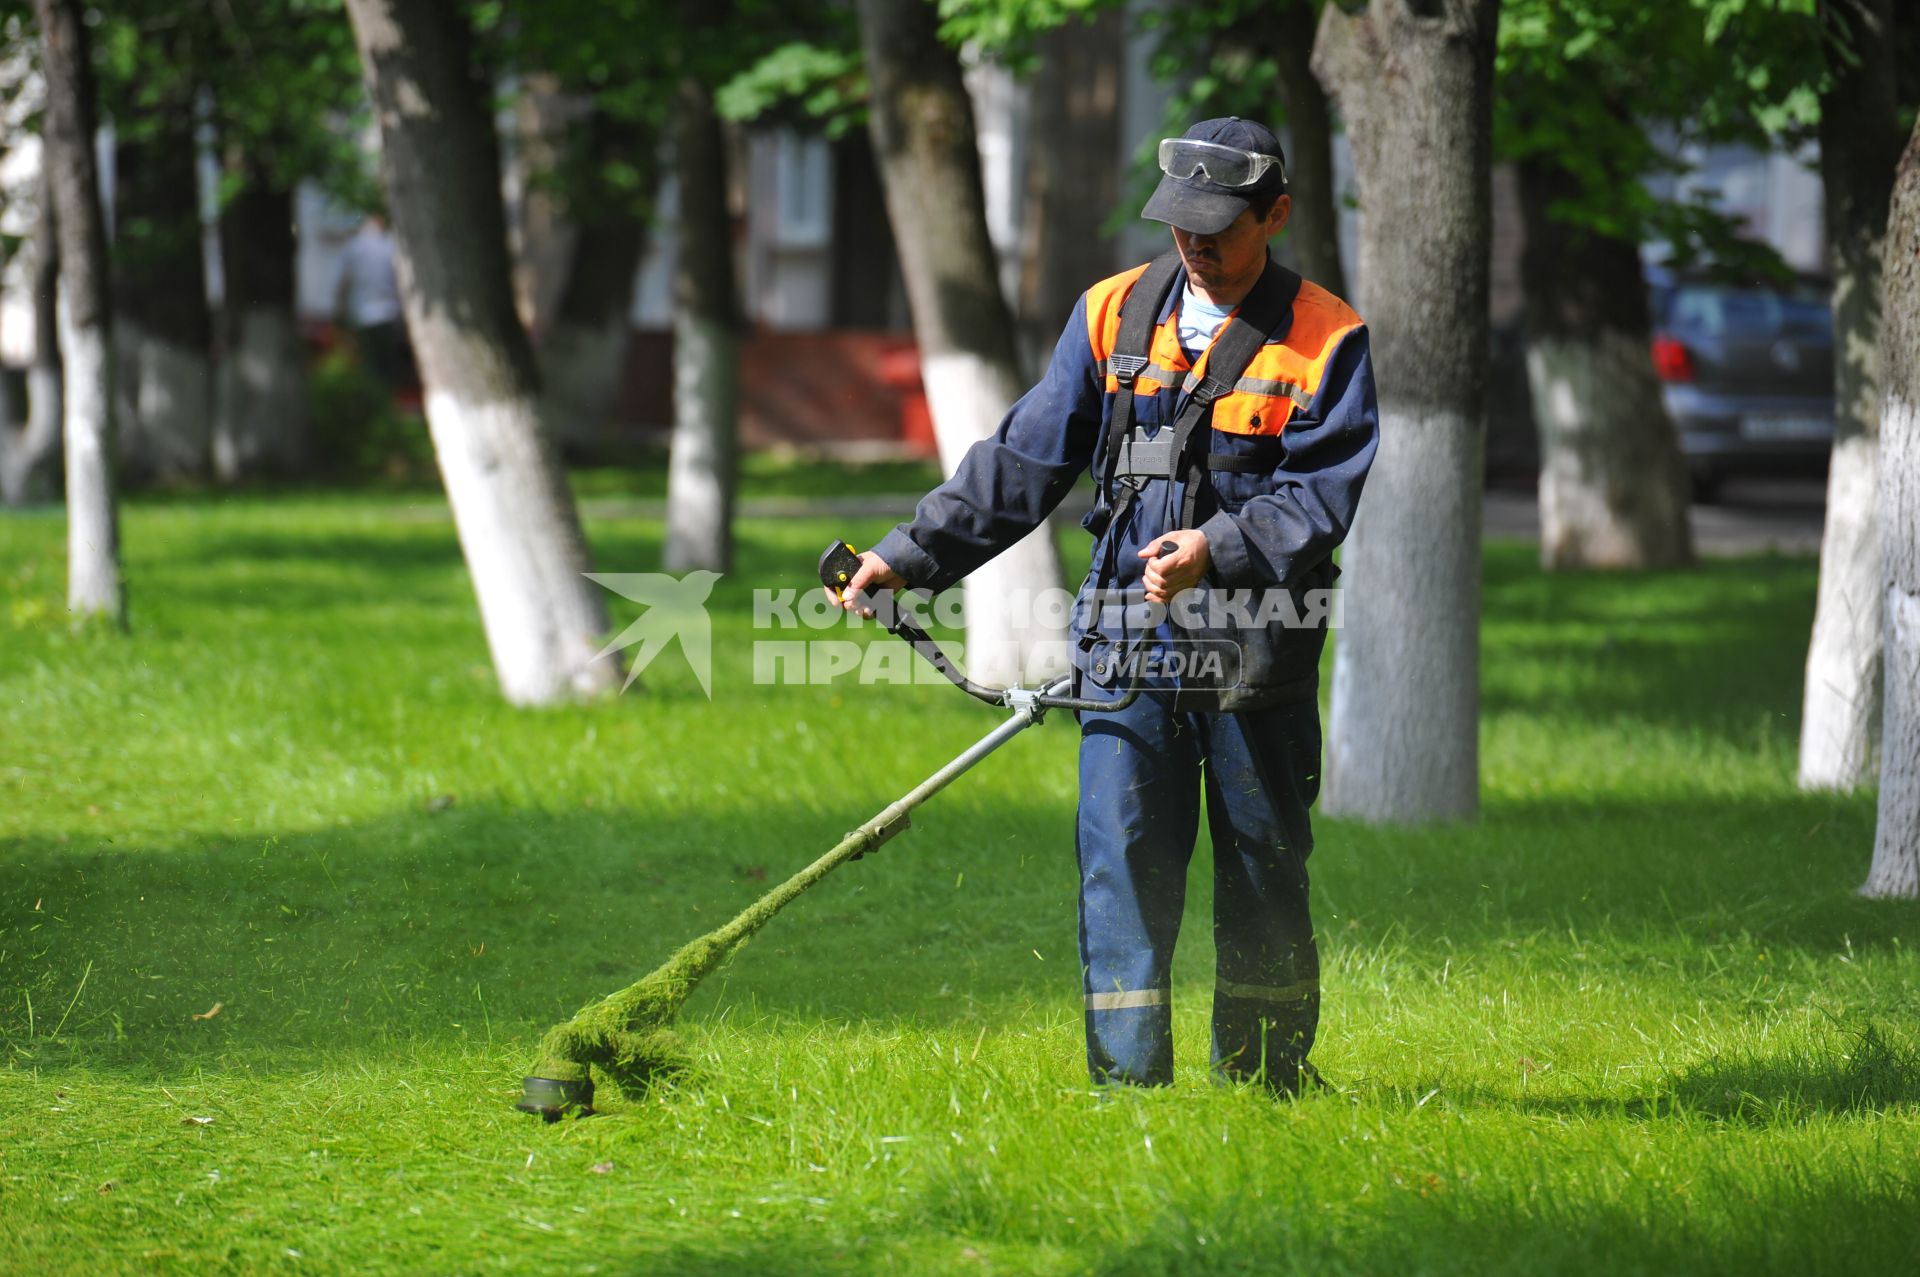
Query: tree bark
1313, 229
1896, 837
1613, 485
1859, 146
540, 235
865, 264
923, 136
93, 533
1415, 91
26, 458
515, 514
1073, 183
706, 346
261, 417
583, 355
165, 333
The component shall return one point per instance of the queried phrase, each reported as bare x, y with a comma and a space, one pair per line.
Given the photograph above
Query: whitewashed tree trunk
1859, 146
1840, 709
1602, 504
583, 353
581, 367
1072, 183
261, 415
515, 514
701, 463
165, 337
923, 136
166, 404
86, 318
1007, 640
26, 457
260, 419
706, 346
1896, 837
1415, 92
93, 521
1613, 485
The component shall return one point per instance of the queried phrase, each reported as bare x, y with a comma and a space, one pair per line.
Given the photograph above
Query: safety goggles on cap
1184, 159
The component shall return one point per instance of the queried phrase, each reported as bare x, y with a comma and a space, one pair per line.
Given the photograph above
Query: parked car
1747, 375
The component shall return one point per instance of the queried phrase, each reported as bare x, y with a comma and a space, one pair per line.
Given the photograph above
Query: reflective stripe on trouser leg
1263, 773
1139, 812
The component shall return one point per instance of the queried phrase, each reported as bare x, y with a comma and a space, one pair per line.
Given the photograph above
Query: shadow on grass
479, 921
468, 922
1501, 1225
1494, 1223
1713, 652
1857, 1071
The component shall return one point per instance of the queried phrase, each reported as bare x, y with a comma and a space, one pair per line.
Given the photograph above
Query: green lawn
1632, 1021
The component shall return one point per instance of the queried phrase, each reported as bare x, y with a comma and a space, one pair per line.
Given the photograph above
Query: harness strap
1139, 316
1229, 355
1226, 359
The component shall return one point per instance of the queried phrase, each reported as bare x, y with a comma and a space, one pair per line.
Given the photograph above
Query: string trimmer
627, 1036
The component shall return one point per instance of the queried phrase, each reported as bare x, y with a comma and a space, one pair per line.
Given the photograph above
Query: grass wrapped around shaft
626, 1035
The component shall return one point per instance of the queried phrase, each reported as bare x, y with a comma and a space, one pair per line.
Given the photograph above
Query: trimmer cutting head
628, 1036
553, 1098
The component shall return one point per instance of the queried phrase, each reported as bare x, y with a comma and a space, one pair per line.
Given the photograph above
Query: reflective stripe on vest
1283, 377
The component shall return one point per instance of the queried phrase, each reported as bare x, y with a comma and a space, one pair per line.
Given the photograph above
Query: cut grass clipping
626, 1035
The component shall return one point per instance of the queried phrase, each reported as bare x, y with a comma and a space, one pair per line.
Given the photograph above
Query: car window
1746, 312
1806, 315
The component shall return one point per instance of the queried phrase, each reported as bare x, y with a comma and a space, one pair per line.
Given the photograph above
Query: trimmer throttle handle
837, 566
840, 563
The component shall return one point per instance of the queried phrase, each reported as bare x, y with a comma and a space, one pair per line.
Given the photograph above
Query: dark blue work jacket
1287, 451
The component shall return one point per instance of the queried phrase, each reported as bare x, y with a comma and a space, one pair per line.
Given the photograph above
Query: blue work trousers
1142, 771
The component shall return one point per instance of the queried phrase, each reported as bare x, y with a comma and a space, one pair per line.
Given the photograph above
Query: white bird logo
676, 608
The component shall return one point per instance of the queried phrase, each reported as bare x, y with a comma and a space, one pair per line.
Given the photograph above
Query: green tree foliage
824, 83
286, 91
627, 56
277, 79
821, 76
1614, 92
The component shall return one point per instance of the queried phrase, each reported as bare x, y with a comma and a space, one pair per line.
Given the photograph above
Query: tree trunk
540, 235
1859, 146
1313, 229
86, 336
1073, 183
26, 458
1613, 485
511, 503
1896, 837
583, 356
706, 346
1415, 92
923, 137
260, 422
165, 333
865, 265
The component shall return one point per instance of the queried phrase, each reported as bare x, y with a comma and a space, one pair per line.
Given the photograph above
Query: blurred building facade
829, 360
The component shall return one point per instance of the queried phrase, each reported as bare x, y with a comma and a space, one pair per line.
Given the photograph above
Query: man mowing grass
1226, 408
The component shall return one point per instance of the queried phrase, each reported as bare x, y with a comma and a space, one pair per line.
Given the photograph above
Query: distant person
367, 303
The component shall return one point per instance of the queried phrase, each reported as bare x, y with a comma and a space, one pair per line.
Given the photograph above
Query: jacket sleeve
1278, 535
1006, 485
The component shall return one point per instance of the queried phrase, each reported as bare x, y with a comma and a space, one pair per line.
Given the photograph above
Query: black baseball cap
1204, 207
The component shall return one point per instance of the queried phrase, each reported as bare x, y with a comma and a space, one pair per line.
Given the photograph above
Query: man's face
1232, 259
